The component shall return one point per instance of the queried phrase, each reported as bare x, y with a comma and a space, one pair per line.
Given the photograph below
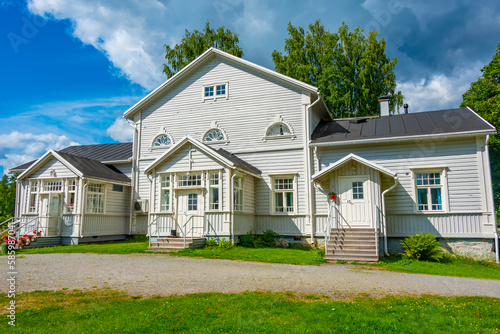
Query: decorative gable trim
44, 159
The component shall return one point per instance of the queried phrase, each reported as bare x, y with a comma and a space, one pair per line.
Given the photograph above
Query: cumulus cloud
118, 29
120, 130
18, 147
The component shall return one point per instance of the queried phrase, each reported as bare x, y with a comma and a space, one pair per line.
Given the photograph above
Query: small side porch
354, 189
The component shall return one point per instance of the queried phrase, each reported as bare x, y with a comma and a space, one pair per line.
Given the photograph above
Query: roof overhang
44, 159
198, 62
353, 157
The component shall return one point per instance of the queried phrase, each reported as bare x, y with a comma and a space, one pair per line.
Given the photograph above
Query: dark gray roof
100, 152
237, 161
439, 122
94, 169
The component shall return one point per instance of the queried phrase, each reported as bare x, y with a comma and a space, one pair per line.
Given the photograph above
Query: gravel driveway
161, 274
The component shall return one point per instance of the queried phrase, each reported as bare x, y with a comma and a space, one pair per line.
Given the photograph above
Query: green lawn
107, 311
271, 255
138, 244
460, 267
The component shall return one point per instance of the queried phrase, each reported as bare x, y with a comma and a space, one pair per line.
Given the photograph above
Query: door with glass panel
190, 213
355, 202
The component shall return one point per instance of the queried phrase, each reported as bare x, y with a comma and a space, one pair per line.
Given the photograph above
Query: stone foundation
479, 249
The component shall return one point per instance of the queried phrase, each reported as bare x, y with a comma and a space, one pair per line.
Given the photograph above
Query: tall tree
484, 97
194, 44
350, 70
7, 197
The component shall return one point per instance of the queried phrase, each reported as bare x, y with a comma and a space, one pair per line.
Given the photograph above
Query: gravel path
160, 274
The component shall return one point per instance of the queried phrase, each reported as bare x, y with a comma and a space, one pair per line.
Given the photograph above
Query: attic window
279, 129
214, 135
215, 91
162, 140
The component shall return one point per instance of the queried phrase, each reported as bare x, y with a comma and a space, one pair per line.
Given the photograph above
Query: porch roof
222, 156
351, 157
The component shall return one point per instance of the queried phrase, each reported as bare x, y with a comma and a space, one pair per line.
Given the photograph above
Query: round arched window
278, 129
162, 140
214, 135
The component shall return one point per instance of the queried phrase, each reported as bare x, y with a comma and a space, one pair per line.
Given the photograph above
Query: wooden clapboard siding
125, 168
55, 165
243, 223
253, 104
249, 194
459, 156
180, 161
117, 203
284, 225
95, 225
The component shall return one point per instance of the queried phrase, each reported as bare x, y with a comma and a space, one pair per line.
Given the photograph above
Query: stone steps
352, 245
174, 244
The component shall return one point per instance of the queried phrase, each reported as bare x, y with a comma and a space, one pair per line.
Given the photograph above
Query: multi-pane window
238, 194
429, 191
192, 202
209, 91
189, 180
165, 189
357, 190
162, 140
71, 195
215, 91
214, 135
95, 198
283, 195
54, 185
220, 90
278, 129
214, 186
33, 196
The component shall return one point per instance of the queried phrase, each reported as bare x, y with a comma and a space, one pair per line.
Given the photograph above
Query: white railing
164, 223
16, 224
192, 228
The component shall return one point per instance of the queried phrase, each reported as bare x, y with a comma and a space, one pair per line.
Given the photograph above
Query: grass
460, 267
138, 244
303, 256
108, 311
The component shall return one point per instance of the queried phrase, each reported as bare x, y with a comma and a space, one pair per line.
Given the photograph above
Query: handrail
149, 229
192, 227
18, 221
7, 221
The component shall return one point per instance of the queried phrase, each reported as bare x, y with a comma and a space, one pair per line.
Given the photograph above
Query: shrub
3, 249
422, 247
211, 243
247, 240
266, 239
223, 243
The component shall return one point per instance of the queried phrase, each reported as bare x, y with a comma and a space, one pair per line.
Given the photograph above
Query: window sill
216, 142
283, 214
266, 138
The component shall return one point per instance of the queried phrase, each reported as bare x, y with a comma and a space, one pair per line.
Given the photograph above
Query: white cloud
438, 92
119, 29
120, 130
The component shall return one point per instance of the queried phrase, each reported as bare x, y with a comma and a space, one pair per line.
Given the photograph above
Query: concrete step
175, 244
353, 230
358, 258
371, 252
352, 247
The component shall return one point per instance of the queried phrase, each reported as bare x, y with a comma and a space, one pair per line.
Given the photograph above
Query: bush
247, 240
223, 243
211, 243
422, 247
3, 249
266, 239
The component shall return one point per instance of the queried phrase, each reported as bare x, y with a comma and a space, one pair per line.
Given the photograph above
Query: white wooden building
226, 147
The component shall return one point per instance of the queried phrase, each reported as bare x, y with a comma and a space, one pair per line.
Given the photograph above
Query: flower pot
333, 196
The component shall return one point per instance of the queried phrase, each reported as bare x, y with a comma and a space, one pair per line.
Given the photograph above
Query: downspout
17, 204
308, 167
83, 207
132, 182
231, 201
384, 220
487, 152
149, 211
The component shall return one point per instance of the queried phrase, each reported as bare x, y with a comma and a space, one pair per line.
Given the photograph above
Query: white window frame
279, 121
34, 189
180, 181
162, 146
443, 186
166, 185
91, 194
212, 187
238, 193
72, 186
51, 186
214, 87
283, 192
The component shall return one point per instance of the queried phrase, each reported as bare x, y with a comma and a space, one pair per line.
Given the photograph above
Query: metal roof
237, 161
418, 125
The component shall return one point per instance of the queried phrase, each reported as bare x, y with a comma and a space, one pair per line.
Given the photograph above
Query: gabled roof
82, 167
102, 152
200, 61
224, 157
451, 122
349, 158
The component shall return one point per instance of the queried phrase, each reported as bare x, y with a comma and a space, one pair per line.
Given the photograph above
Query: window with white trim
214, 190
191, 180
33, 196
283, 188
238, 193
52, 186
215, 91
278, 129
166, 192
162, 140
430, 192
214, 135
95, 198
192, 202
71, 195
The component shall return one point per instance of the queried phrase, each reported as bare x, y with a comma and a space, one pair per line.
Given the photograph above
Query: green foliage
7, 197
194, 44
211, 243
341, 261
351, 71
247, 240
3, 248
226, 244
266, 239
108, 311
422, 247
484, 97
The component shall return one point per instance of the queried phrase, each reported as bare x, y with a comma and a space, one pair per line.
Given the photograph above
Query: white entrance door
190, 213
54, 214
355, 202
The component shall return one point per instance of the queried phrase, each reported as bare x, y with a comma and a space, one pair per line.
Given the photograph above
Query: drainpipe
149, 210
308, 166
83, 207
384, 220
231, 201
488, 176
132, 183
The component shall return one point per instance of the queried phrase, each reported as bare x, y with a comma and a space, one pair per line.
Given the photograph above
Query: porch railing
163, 223
22, 225
192, 227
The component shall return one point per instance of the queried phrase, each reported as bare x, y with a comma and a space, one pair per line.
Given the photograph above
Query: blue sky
71, 68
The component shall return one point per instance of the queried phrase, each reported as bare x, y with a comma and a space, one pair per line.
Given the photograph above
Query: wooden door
54, 214
355, 202
190, 212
